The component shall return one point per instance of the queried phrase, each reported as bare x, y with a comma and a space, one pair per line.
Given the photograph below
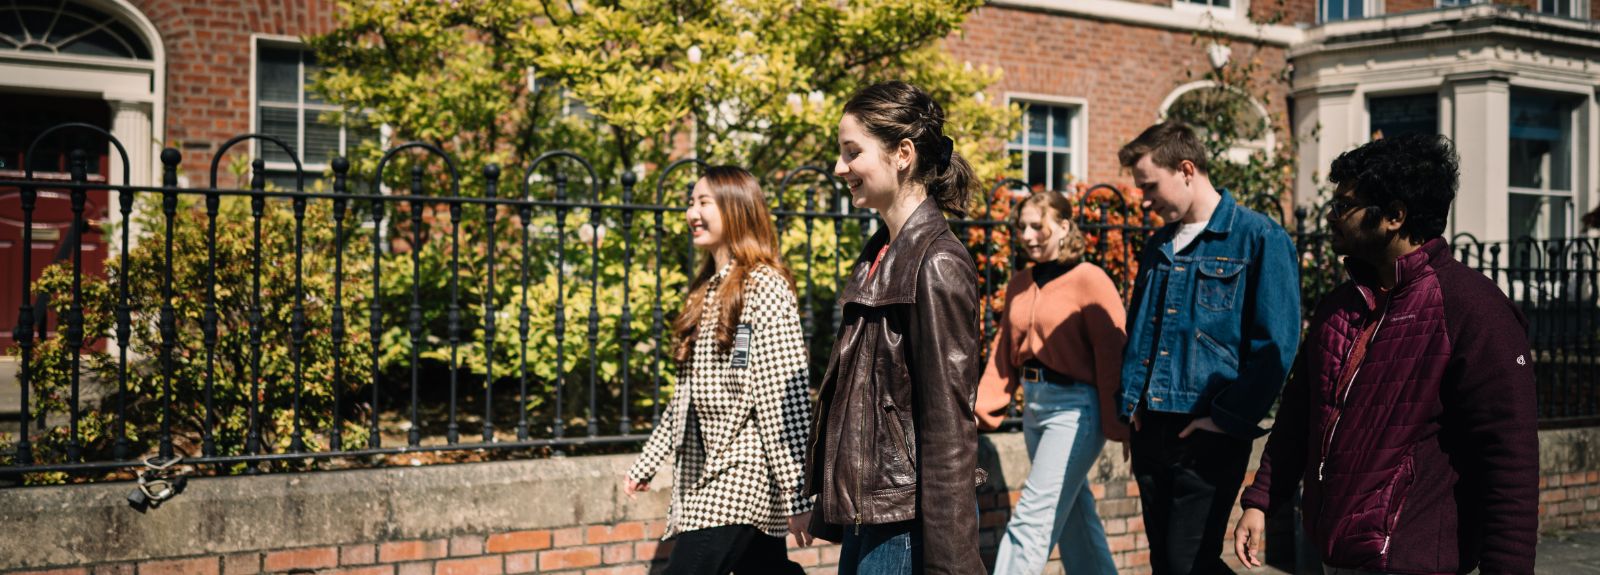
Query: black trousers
741, 549
1188, 488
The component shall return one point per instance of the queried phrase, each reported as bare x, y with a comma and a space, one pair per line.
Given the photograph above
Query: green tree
628, 85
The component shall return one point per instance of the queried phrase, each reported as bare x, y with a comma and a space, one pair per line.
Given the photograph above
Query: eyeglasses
1340, 207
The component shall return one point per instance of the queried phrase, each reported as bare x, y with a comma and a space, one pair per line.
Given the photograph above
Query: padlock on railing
156, 484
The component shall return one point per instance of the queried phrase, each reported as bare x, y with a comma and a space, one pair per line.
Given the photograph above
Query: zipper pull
1385, 550
858, 524
1320, 464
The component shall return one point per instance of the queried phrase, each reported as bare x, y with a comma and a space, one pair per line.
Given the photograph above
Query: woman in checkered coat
739, 415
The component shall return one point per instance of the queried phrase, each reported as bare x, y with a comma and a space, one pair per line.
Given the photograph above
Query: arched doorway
98, 62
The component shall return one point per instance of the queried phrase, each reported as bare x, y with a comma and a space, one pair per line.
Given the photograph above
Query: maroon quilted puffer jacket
1427, 460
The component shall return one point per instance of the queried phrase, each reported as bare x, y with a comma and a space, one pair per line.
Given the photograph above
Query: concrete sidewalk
1569, 554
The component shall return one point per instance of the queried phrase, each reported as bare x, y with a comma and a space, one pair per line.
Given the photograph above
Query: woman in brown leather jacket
893, 460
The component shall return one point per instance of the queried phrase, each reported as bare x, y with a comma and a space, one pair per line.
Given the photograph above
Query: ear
1394, 218
905, 153
1187, 168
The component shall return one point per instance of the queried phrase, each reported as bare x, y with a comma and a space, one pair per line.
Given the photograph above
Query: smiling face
1166, 192
705, 218
1039, 234
867, 166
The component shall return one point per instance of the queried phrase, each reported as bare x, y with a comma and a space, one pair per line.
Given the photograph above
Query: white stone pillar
130, 123
1326, 110
1482, 128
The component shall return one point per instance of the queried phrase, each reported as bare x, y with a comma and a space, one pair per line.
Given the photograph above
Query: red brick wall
1569, 500
1288, 12
1399, 6
208, 62
632, 548
1123, 71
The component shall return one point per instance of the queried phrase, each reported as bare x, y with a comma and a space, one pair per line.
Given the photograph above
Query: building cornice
1448, 25
1164, 17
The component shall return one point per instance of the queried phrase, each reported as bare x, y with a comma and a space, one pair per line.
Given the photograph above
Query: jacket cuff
1255, 499
1234, 425
798, 503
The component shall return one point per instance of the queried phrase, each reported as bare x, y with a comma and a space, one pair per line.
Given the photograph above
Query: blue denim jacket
1213, 330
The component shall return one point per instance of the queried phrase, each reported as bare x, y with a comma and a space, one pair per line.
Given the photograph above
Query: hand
1203, 424
1247, 537
633, 488
1114, 430
1135, 419
797, 528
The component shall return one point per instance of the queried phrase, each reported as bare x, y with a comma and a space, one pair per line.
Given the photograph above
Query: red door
27, 117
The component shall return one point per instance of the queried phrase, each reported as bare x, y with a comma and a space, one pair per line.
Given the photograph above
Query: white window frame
1077, 135
1235, 9
1369, 9
1456, 3
313, 169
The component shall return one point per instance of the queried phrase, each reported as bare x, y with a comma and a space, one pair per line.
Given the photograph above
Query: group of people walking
1408, 417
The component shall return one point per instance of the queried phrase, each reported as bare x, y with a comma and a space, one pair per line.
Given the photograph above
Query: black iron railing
252, 328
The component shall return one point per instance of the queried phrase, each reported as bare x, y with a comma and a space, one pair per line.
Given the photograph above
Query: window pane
1522, 216
283, 124
1038, 173
1222, 3
1038, 121
1354, 8
1061, 124
1398, 115
1541, 141
1333, 10
322, 140
1063, 171
312, 69
278, 75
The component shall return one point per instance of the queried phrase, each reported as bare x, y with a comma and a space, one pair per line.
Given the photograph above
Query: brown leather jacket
896, 437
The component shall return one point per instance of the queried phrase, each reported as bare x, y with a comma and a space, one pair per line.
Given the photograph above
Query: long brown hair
751, 241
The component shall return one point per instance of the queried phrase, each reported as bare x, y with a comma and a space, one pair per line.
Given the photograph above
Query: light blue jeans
1061, 425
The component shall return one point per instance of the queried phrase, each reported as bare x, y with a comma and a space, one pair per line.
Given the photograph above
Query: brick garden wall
544, 516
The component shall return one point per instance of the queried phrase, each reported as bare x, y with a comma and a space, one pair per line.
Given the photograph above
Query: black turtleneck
1045, 272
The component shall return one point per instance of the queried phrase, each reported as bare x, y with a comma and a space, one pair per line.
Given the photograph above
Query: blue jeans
1061, 425
889, 549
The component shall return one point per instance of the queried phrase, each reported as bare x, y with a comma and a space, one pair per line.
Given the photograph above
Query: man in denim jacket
1212, 331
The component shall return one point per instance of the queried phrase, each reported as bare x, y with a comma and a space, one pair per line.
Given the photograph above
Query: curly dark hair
1418, 171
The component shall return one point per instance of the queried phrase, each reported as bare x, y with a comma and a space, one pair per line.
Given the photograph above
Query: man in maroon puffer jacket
1410, 415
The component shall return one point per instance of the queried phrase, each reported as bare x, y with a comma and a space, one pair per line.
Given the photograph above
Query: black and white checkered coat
739, 433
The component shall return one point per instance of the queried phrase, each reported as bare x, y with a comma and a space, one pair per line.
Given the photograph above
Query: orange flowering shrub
1111, 217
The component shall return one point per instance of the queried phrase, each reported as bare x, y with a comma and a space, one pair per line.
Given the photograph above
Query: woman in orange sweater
1061, 340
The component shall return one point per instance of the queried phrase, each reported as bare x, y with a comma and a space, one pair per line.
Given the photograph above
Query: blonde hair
1054, 207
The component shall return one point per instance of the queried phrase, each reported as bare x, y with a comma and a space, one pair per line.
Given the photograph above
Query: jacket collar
1407, 270
1221, 223
895, 282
